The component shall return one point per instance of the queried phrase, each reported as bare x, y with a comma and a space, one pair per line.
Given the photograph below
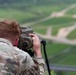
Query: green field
58, 21
61, 53
72, 11
55, 48
72, 35
65, 58
33, 13
48, 9
55, 24
20, 16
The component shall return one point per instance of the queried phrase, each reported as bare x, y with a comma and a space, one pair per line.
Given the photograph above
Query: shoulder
21, 52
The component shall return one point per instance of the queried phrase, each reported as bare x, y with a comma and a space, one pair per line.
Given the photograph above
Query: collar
3, 40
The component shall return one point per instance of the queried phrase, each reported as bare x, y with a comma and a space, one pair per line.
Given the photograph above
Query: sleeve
41, 65
36, 69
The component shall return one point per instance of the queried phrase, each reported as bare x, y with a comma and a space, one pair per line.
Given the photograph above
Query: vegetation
55, 48
64, 57
58, 21
55, 24
36, 1
72, 35
29, 14
72, 11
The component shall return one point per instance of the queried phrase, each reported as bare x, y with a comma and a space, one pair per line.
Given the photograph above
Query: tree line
34, 1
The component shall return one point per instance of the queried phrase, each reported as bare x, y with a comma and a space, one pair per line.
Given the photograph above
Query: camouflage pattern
11, 67
30, 71
14, 61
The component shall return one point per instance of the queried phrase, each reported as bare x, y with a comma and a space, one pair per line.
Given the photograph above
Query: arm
38, 54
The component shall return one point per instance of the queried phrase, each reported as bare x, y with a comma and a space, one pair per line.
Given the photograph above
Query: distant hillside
35, 1
25, 4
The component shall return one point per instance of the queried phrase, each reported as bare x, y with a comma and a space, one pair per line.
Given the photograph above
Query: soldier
14, 61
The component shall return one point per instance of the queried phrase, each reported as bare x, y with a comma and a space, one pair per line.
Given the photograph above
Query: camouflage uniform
14, 61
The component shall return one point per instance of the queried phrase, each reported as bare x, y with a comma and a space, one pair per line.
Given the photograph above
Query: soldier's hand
36, 45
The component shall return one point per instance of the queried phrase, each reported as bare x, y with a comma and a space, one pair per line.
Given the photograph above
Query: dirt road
63, 32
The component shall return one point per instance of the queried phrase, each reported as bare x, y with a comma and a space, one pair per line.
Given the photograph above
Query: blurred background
52, 20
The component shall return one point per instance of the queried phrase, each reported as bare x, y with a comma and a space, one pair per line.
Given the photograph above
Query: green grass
59, 20
72, 11
15, 14
71, 73
72, 35
54, 48
69, 60
18, 15
33, 13
48, 9
65, 58
40, 29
